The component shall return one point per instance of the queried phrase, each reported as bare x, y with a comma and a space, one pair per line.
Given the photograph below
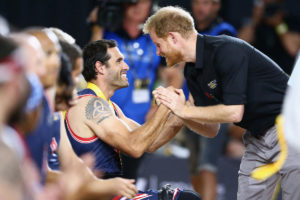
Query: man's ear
173, 37
99, 67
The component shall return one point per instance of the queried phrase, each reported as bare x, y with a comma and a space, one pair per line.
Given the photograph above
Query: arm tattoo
97, 110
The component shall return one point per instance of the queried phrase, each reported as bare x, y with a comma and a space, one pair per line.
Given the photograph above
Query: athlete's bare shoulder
97, 110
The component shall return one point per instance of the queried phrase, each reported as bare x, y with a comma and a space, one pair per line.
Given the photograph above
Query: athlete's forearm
94, 190
171, 128
205, 129
145, 135
52, 176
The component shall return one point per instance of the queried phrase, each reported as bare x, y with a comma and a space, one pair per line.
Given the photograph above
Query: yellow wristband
281, 28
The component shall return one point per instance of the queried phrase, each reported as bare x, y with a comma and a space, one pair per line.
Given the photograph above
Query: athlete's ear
99, 67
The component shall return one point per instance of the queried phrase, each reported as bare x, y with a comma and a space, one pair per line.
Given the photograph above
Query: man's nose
126, 66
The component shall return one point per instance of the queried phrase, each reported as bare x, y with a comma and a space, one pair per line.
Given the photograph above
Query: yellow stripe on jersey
98, 92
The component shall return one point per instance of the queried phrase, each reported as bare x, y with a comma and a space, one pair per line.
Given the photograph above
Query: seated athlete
97, 125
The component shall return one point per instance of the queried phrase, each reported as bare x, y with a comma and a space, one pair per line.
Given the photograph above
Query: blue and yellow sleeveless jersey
107, 158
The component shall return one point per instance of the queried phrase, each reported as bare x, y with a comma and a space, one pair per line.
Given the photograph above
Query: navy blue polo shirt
229, 71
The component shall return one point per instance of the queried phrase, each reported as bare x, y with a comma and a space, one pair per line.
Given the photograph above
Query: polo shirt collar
199, 52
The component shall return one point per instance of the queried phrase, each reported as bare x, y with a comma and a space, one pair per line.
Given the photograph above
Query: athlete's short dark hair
93, 52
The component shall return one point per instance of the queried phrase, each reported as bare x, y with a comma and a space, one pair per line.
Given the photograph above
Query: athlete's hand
155, 95
104, 189
122, 187
190, 101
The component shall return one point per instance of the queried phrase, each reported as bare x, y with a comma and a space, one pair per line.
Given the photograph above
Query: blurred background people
274, 31
12, 84
4, 26
41, 135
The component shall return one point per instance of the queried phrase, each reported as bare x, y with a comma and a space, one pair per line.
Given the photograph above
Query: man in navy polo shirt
205, 152
230, 81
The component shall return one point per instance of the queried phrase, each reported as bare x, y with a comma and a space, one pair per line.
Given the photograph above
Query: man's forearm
213, 114
97, 33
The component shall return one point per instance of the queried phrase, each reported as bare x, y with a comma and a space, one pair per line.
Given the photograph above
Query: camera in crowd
110, 13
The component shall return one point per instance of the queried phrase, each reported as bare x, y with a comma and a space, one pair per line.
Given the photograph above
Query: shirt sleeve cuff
234, 99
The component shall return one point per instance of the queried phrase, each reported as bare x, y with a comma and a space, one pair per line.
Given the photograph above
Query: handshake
172, 98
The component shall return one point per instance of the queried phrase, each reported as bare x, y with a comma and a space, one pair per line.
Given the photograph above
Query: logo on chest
212, 84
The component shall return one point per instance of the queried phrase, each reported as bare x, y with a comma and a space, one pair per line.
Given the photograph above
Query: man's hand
154, 93
93, 17
97, 31
171, 97
291, 42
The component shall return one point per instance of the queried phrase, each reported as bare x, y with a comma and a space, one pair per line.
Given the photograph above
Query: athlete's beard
117, 81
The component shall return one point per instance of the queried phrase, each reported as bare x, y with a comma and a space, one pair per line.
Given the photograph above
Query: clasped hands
171, 97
